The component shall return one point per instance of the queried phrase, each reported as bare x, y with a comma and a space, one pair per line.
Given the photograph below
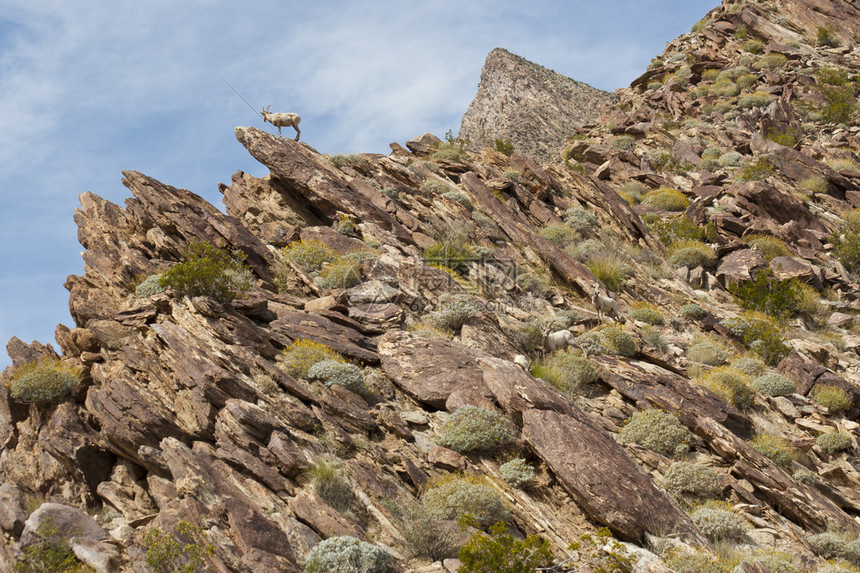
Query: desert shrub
710, 74
302, 354
560, 234
839, 94
749, 366
753, 46
609, 268
770, 247
774, 384
590, 343
623, 142
346, 554
476, 429
329, 481
149, 286
707, 351
770, 62
354, 160
434, 187
43, 381
632, 191
692, 311
391, 193
730, 159
824, 36
815, 184
458, 197
647, 313
51, 553
656, 430
725, 87
309, 255
666, 199
834, 398
616, 341
829, 545
745, 81
718, 524
757, 169
847, 250
500, 552
504, 146
581, 220
834, 442
655, 85
690, 479
651, 335
451, 252
775, 448
343, 272
685, 559
517, 472
730, 384
528, 337
691, 254
671, 229
568, 372
208, 271
755, 99
183, 551
426, 537
778, 298
803, 475
760, 334
452, 312
336, 372
456, 495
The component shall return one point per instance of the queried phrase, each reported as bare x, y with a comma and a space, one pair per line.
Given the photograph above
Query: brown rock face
531, 106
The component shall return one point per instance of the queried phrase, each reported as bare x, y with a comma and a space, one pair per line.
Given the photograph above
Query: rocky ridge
187, 409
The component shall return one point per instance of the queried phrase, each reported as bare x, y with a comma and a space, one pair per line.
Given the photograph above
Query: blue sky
90, 88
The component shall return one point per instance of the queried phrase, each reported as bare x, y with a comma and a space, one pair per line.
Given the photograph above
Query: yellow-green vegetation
666, 199
43, 381
710, 74
778, 298
476, 429
775, 448
602, 553
825, 36
501, 552
617, 341
679, 227
346, 554
183, 551
725, 87
208, 271
749, 365
435, 187
345, 224
761, 334
582, 220
632, 192
755, 99
783, 135
834, 545
569, 372
692, 311
452, 149
504, 146
308, 254
718, 523
452, 252
560, 234
770, 247
343, 272
609, 268
452, 312
455, 495
770, 62
730, 384
839, 91
815, 184
834, 442
623, 142
708, 351
354, 160
834, 398
745, 81
328, 478
691, 254
753, 46
51, 553
691, 481
657, 430
647, 313
303, 353
843, 164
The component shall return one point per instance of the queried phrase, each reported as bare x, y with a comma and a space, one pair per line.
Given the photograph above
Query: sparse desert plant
617, 341
426, 537
458, 197
501, 552
435, 187
451, 252
43, 381
567, 371
632, 191
761, 334
208, 271
834, 398
753, 46
710, 74
656, 430
346, 554
730, 159
671, 229
625, 142
329, 481
308, 254
647, 313
303, 353
691, 480
749, 366
755, 99
651, 335
847, 250
581, 220
725, 87
815, 184
770, 247
718, 524
560, 234
707, 351
775, 448
829, 545
770, 62
609, 269
774, 384
778, 298
476, 429
691, 254
825, 37
149, 286
51, 553
692, 311
685, 559
354, 160
666, 199
184, 550
504, 146
834, 442
337, 372
452, 311
458, 494
517, 472
745, 81
730, 384
343, 272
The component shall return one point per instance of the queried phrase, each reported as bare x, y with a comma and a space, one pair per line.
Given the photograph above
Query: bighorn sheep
280, 120
558, 340
522, 361
603, 304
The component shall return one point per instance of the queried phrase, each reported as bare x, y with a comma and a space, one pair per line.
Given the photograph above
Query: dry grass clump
770, 247
691, 254
708, 351
730, 384
834, 398
666, 199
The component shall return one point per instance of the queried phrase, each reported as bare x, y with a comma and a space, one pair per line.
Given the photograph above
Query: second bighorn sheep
558, 340
280, 120
604, 304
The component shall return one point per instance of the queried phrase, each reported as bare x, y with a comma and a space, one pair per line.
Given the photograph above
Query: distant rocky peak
530, 106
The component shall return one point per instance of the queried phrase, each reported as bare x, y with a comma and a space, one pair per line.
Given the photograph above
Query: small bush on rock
691, 254
666, 199
749, 366
208, 271
647, 313
560, 234
730, 384
774, 448
51, 554
330, 483
517, 472
774, 384
580, 220
309, 255
656, 430
829, 545
692, 311
690, 479
834, 442
567, 371
184, 550
343, 272
760, 334
500, 552
476, 429
456, 495
616, 341
452, 312
730, 159
346, 554
707, 351
149, 286
43, 381
302, 354
834, 398
718, 524
337, 372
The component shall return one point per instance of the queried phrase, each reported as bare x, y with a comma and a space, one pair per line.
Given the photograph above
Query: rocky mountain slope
343, 365
532, 107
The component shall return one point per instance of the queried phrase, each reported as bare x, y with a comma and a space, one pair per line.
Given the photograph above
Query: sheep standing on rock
280, 120
603, 304
558, 340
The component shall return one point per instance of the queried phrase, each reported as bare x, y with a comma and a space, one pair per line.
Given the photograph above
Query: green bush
501, 552
346, 554
835, 442
632, 191
343, 272
691, 254
774, 384
560, 234
666, 199
302, 354
770, 247
43, 381
707, 351
625, 142
710, 74
504, 146
656, 430
51, 554
692, 311
208, 271
815, 184
834, 398
476, 429
149, 286
609, 268
580, 220
183, 551
745, 81
452, 311
456, 495
616, 341
718, 524
775, 448
760, 334
329, 481
452, 253
517, 472
749, 366
779, 298
730, 159
757, 169
685, 559
435, 187
458, 197
829, 545
770, 62
725, 87
825, 37
337, 372
693, 480
730, 384
671, 229
753, 46
755, 99
354, 160
649, 314
568, 372
309, 255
